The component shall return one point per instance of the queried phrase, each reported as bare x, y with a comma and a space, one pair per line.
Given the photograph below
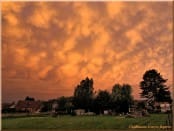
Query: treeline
118, 100
86, 98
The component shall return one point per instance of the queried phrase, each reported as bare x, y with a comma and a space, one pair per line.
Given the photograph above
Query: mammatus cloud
49, 47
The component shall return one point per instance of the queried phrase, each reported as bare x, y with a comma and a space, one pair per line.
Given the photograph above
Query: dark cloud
53, 45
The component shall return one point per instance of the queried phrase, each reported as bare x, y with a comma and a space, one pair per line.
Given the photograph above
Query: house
107, 112
8, 107
162, 107
157, 106
79, 112
28, 106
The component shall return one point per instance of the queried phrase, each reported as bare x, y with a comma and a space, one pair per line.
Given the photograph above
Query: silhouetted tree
121, 97
126, 98
62, 102
116, 97
29, 98
69, 105
65, 104
47, 105
154, 83
83, 94
102, 100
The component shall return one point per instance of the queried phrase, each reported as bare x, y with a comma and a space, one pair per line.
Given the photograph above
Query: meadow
82, 122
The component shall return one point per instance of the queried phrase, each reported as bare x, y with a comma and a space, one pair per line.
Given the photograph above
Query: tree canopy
153, 83
121, 97
83, 94
103, 100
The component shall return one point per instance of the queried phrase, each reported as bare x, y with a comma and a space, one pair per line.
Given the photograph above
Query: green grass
81, 122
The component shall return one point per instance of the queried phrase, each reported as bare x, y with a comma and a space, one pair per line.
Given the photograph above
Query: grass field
82, 122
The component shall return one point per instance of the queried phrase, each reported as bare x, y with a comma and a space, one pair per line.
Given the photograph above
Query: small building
162, 106
106, 112
79, 112
28, 106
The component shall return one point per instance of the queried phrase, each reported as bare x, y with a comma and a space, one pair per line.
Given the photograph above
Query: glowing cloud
49, 47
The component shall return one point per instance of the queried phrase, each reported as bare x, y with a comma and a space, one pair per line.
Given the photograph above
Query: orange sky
49, 47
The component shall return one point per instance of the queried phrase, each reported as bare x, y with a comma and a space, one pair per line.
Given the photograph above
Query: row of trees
153, 88
86, 98
120, 98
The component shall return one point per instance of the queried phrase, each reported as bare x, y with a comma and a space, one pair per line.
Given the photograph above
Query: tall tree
116, 97
153, 84
126, 92
62, 102
83, 94
121, 97
65, 104
102, 100
127, 98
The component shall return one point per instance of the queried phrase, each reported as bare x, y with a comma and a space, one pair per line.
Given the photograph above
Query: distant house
28, 106
8, 107
79, 112
162, 106
157, 107
107, 112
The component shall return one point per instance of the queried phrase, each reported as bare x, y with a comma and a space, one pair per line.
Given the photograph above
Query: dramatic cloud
49, 47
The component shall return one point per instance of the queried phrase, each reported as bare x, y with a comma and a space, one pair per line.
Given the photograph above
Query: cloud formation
49, 47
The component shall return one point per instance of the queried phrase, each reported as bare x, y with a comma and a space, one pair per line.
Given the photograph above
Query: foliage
154, 83
65, 104
83, 94
102, 100
47, 105
121, 97
62, 102
29, 98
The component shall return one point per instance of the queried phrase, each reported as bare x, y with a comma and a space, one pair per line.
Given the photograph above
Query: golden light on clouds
49, 47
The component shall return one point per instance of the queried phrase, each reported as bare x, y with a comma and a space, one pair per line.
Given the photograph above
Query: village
88, 105
154, 109
91, 65
87, 102
36, 107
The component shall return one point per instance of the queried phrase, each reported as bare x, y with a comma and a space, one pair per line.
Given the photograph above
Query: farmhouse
28, 106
